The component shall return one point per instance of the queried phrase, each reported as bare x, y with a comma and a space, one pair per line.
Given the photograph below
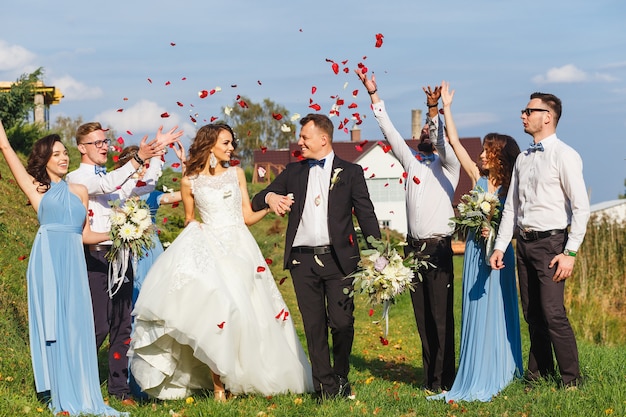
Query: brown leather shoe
129, 402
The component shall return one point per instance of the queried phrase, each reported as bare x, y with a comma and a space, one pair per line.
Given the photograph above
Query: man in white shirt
112, 314
431, 180
547, 196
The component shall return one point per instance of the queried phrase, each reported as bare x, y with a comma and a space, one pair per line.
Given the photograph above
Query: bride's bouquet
479, 210
131, 234
384, 274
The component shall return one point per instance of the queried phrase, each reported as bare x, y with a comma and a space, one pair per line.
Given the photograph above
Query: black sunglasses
529, 110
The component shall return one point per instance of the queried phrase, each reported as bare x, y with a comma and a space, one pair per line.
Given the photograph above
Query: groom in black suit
321, 249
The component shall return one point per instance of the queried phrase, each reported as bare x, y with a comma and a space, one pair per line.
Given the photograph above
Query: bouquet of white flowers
478, 210
131, 234
384, 274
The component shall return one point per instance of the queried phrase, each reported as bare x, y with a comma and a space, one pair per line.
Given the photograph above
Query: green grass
386, 378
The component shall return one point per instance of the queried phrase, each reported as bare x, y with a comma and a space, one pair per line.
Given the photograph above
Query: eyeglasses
529, 110
98, 144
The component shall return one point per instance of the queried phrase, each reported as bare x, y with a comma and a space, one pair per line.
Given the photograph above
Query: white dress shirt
313, 227
547, 192
118, 184
429, 203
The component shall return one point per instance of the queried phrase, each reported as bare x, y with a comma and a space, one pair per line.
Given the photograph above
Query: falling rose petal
21, 257
358, 148
285, 128
372, 176
315, 107
176, 165
149, 80
282, 281
90, 213
335, 67
172, 44
393, 165
180, 104
400, 181
313, 89
213, 118
117, 356
384, 341
386, 148
165, 115
365, 169
125, 99
116, 158
379, 40
192, 119
318, 261
286, 315
175, 204
259, 82
441, 111
386, 184
416, 180
221, 325
346, 70
371, 312
203, 93
184, 78
296, 154
353, 106
405, 174
355, 93
277, 116
127, 341
392, 212
141, 183
213, 91
243, 104
268, 261
120, 140
174, 179
277, 316
261, 171
120, 110
263, 149
234, 162
351, 240
167, 83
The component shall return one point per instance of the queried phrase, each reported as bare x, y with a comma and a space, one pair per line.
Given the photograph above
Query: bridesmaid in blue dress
491, 352
60, 319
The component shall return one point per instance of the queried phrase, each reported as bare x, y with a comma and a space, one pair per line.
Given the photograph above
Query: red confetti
176, 165
165, 115
379, 40
141, 183
263, 149
355, 92
172, 44
282, 280
277, 116
386, 184
127, 341
234, 162
117, 356
372, 176
120, 110
351, 240
353, 106
21, 258
416, 180
277, 316
371, 312
175, 204
340, 101
164, 220
405, 174
335, 68
180, 104
203, 94
167, 83
313, 89
268, 261
384, 341
125, 99
221, 325
192, 118
259, 82
315, 107
286, 315
90, 213
149, 80
296, 154
243, 104
116, 158
214, 118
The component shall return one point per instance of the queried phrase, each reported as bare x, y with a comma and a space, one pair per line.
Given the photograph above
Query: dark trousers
544, 310
323, 305
111, 318
433, 302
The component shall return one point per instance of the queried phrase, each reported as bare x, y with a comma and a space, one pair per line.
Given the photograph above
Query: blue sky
494, 53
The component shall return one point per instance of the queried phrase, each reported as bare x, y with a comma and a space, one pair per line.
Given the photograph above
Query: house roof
352, 151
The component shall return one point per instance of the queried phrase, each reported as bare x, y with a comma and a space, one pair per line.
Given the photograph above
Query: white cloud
14, 57
75, 90
565, 74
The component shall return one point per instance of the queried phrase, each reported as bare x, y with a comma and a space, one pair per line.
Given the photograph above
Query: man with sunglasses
112, 313
547, 208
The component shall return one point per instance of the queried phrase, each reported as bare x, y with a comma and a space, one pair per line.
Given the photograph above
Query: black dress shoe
345, 389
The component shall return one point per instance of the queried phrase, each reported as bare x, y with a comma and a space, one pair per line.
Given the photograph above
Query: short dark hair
320, 121
552, 101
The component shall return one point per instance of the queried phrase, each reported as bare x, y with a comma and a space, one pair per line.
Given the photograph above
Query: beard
426, 147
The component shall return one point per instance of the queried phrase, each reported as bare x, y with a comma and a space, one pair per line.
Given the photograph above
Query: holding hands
279, 204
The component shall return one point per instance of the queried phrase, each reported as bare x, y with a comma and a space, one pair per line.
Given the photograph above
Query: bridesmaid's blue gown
62, 341
491, 351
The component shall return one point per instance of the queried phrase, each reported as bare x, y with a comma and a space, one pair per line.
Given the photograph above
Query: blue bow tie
426, 157
100, 170
314, 162
534, 147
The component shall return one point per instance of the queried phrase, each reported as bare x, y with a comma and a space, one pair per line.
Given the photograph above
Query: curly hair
501, 151
200, 148
38, 160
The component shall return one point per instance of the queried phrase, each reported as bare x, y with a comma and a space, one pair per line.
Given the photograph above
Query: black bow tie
534, 147
314, 162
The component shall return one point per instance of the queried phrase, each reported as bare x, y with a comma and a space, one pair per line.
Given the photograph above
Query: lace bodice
218, 199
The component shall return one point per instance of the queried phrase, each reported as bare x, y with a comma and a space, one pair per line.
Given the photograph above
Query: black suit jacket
349, 195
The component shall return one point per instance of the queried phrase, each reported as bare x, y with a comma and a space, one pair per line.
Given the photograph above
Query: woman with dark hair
491, 351
60, 319
209, 314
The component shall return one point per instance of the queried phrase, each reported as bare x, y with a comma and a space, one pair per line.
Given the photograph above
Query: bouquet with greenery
131, 234
384, 274
479, 210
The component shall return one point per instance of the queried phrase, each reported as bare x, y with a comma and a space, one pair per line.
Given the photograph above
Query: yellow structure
44, 97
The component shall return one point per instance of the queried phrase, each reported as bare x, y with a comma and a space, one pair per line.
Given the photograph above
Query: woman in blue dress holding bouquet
491, 352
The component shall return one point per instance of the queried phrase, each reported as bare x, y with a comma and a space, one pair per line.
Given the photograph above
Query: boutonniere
335, 177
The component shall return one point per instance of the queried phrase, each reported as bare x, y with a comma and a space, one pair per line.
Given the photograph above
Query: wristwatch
568, 252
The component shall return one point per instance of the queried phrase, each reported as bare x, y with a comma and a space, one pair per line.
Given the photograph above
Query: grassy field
386, 378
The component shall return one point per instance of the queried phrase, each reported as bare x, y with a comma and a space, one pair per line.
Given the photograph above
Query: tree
259, 125
16, 103
66, 127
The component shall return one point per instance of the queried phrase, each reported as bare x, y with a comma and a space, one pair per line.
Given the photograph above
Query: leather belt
98, 248
314, 250
532, 235
418, 243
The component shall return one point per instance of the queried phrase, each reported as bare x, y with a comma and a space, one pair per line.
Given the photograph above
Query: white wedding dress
210, 302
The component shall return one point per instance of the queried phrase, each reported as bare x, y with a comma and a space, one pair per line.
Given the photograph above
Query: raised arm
467, 163
24, 180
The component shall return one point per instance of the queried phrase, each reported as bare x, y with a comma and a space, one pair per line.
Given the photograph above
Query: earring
212, 160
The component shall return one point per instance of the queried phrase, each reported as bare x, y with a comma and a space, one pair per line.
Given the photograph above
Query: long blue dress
62, 342
491, 351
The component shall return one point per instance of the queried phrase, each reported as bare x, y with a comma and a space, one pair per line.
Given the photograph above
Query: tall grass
386, 377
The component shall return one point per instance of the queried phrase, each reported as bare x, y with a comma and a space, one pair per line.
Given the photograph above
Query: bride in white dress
209, 314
